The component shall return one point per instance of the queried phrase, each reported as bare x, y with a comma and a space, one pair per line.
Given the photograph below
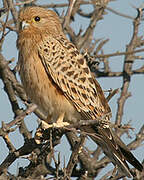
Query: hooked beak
24, 25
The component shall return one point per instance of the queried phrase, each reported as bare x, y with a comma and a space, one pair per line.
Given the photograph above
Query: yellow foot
59, 123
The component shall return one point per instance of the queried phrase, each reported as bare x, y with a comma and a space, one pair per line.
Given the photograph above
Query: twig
112, 93
13, 11
6, 127
74, 156
129, 59
68, 14
118, 53
23, 3
119, 14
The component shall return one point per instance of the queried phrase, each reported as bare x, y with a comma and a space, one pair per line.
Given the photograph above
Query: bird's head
37, 20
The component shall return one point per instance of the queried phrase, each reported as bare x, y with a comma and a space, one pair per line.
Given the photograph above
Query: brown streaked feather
73, 78
106, 139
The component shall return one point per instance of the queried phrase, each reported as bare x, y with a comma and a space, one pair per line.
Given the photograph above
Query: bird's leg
59, 123
45, 125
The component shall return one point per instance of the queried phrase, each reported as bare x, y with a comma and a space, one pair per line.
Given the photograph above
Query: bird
56, 77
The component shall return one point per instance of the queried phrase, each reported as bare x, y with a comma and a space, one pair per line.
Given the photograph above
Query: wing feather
69, 71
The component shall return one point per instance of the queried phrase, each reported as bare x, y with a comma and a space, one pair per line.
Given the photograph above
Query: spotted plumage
69, 71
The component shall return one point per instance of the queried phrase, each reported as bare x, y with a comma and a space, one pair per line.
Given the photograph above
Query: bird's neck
28, 41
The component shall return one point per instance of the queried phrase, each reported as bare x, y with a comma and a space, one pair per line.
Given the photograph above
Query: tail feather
127, 154
131, 159
115, 149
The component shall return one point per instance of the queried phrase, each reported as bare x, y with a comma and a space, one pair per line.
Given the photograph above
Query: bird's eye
37, 18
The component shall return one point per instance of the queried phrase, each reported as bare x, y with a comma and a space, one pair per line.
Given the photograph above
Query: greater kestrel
56, 77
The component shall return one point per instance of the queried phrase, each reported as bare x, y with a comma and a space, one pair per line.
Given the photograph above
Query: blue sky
119, 31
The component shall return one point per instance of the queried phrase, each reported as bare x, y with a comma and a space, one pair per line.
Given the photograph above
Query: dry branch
38, 150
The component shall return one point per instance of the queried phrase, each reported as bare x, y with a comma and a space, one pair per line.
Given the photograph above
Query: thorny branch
38, 150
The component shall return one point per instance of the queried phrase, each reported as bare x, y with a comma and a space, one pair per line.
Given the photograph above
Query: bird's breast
42, 91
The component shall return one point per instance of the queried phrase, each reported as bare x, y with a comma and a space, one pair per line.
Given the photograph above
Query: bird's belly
43, 92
